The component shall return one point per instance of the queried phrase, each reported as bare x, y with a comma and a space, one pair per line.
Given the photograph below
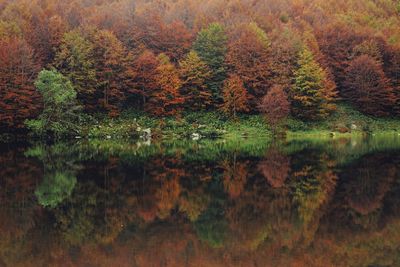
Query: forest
64, 64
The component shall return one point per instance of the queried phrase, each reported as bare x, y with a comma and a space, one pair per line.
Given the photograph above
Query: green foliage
74, 60
345, 116
260, 33
60, 113
55, 188
194, 73
211, 46
284, 18
9, 29
211, 226
132, 123
309, 95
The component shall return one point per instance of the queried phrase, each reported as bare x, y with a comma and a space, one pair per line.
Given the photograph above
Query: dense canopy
168, 56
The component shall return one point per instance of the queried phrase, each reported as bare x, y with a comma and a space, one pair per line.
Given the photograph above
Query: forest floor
344, 122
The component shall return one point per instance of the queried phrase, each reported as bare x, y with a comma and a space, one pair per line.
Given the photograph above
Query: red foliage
391, 65
18, 98
337, 42
275, 168
165, 99
367, 87
173, 39
275, 105
144, 81
249, 58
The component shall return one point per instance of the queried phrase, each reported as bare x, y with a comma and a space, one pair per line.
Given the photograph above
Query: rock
147, 131
147, 142
195, 136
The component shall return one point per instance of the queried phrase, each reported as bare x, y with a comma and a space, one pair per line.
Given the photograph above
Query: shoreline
134, 125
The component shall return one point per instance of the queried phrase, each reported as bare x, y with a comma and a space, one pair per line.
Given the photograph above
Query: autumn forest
199, 133
62, 62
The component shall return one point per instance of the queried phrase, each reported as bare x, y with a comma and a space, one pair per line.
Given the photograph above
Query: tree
249, 57
55, 188
166, 99
149, 30
234, 176
367, 87
60, 108
144, 81
235, 97
275, 168
74, 59
337, 42
18, 98
194, 73
111, 61
211, 46
310, 96
286, 45
275, 105
391, 66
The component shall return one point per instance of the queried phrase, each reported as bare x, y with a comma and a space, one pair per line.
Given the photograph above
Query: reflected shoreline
206, 203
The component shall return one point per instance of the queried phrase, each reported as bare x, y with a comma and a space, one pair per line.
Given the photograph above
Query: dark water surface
332, 202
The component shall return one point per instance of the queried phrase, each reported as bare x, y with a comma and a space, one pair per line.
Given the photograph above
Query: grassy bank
132, 124
189, 126
346, 121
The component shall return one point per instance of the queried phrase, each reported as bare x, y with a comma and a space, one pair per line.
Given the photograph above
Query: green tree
311, 94
211, 46
60, 108
194, 73
74, 59
55, 189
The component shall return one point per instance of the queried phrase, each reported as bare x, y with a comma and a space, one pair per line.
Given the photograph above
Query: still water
316, 202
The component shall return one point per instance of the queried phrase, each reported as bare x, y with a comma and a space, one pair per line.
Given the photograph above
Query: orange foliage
18, 97
166, 99
249, 58
235, 97
144, 81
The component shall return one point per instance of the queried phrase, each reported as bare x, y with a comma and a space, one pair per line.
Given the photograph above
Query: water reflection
332, 202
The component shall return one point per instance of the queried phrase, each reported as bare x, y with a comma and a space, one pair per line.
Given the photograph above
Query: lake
242, 202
